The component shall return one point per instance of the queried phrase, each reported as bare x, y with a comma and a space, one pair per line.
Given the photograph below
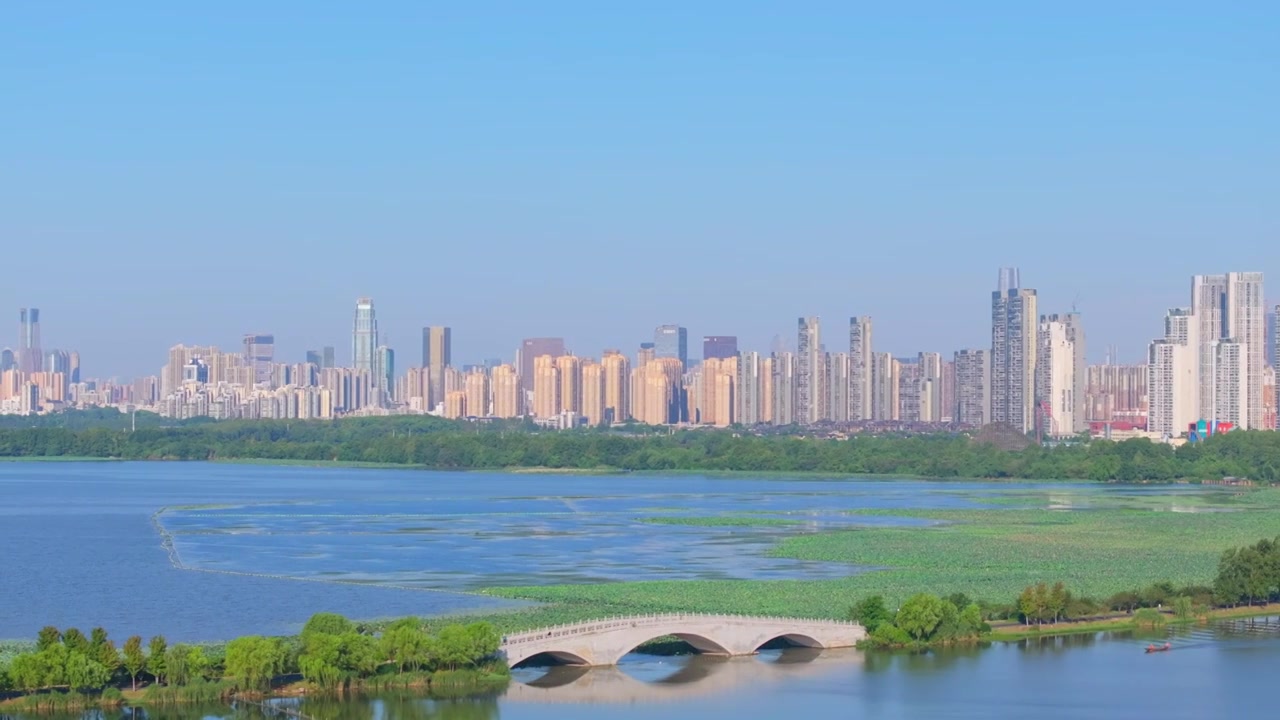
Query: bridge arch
701, 644
793, 639
557, 657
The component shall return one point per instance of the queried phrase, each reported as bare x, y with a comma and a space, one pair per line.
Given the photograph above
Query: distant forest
430, 442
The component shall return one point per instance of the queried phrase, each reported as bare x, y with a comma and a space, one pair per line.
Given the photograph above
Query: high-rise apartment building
328, 358
929, 393
885, 373
1231, 383
260, 354
476, 388
1118, 394
546, 387
617, 387
973, 387
364, 336
1173, 374
808, 404
592, 392
531, 349
1013, 353
384, 374
505, 384
783, 397
750, 409
569, 370
837, 387
1056, 374
1246, 325
719, 347
437, 354
909, 383
1073, 330
1231, 307
861, 362
671, 341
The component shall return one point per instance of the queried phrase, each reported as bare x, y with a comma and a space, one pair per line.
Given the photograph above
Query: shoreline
604, 471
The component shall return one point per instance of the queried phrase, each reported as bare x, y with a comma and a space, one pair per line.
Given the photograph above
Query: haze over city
195, 176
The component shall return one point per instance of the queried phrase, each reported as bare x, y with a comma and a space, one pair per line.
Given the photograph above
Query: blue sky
179, 174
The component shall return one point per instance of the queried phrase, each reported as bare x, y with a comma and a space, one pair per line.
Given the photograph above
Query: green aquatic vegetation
989, 553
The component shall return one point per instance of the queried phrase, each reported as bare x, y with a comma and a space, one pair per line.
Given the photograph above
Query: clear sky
180, 173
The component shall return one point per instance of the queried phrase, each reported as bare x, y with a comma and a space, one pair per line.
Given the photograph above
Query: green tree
75, 641
971, 624
1182, 608
84, 672
135, 661
198, 664
920, 615
871, 612
156, 651
253, 660
47, 637
176, 669
405, 643
326, 624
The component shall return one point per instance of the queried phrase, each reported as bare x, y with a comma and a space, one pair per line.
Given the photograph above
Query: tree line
332, 652
431, 442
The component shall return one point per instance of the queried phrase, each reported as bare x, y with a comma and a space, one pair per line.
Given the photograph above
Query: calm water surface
199, 551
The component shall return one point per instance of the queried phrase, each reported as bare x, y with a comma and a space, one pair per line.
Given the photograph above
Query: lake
209, 551
206, 551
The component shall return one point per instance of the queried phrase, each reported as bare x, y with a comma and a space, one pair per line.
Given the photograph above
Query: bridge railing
627, 621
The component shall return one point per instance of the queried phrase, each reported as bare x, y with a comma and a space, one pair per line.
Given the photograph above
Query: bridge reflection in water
690, 676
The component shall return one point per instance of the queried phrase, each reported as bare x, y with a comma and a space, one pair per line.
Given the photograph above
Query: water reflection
646, 678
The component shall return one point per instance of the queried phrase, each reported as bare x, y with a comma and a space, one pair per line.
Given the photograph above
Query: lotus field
1097, 545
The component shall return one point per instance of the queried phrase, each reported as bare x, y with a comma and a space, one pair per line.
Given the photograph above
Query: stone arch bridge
605, 642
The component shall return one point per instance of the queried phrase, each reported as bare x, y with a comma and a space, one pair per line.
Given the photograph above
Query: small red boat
1159, 648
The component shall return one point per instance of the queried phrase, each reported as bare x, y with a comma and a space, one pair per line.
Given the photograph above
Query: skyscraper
929, 396
617, 387
808, 407
860, 366
1173, 382
885, 373
327, 358
30, 355
592, 389
671, 341
384, 374
364, 336
1230, 307
8, 361
1013, 353
837, 387
973, 387
750, 410
437, 354
1055, 377
719, 347
505, 385
259, 354
1246, 324
783, 397
546, 387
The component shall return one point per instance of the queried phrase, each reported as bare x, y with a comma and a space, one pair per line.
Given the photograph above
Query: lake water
199, 551
207, 551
